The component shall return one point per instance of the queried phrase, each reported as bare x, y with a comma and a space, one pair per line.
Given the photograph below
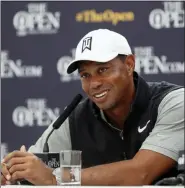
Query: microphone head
67, 111
77, 98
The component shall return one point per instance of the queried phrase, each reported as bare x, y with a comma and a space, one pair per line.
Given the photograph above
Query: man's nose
95, 83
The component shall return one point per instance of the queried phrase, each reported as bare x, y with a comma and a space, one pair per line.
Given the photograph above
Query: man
129, 131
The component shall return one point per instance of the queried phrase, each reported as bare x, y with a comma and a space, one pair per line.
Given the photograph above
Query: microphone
62, 118
180, 177
179, 180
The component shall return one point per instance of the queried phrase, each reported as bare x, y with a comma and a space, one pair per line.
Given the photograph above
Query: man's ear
130, 71
130, 63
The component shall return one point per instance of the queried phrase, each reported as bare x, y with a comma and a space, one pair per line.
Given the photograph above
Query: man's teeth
101, 94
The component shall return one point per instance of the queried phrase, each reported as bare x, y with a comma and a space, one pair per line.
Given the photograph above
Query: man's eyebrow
80, 70
98, 63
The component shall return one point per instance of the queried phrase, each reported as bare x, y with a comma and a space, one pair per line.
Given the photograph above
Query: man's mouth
100, 95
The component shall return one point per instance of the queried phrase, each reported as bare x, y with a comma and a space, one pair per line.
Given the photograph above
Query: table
28, 186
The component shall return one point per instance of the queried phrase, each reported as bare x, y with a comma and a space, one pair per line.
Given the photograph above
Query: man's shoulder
162, 89
175, 93
163, 84
173, 98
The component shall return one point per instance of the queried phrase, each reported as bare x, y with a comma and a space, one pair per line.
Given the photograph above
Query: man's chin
105, 106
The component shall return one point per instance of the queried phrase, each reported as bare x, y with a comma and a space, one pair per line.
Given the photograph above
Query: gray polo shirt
167, 137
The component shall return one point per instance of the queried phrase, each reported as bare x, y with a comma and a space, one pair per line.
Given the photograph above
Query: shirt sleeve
167, 137
59, 139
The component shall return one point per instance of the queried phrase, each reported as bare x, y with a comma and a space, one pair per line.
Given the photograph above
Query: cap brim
74, 64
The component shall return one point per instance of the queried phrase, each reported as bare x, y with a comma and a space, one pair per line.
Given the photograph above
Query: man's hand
24, 165
5, 174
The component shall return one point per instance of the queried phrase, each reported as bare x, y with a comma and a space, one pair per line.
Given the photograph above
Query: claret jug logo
62, 65
172, 16
36, 20
34, 113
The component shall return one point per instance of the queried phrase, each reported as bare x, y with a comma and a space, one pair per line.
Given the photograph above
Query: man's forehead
83, 64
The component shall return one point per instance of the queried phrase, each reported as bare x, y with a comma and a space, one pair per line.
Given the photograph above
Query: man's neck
118, 116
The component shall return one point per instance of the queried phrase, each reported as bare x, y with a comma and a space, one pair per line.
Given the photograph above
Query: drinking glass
70, 167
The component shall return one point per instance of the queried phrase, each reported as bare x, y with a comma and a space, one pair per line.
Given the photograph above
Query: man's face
106, 84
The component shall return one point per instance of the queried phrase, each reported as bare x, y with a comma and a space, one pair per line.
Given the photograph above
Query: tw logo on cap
86, 44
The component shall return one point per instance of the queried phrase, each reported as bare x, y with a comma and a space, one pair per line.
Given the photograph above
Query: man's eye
84, 76
103, 69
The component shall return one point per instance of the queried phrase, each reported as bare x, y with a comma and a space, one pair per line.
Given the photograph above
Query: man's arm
157, 155
59, 140
141, 170
25, 165
167, 136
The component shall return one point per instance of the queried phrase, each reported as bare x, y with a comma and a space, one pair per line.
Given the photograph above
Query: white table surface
27, 186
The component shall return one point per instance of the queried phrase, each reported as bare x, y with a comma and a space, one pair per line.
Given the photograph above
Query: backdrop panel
39, 40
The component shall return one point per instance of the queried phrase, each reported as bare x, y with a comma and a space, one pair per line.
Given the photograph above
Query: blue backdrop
39, 40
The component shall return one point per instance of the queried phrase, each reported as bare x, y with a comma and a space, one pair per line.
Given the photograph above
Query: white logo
62, 65
4, 150
171, 17
140, 130
53, 163
37, 20
11, 68
181, 160
36, 113
86, 44
148, 63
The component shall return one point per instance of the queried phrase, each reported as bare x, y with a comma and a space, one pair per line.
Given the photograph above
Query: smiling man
109, 86
129, 131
